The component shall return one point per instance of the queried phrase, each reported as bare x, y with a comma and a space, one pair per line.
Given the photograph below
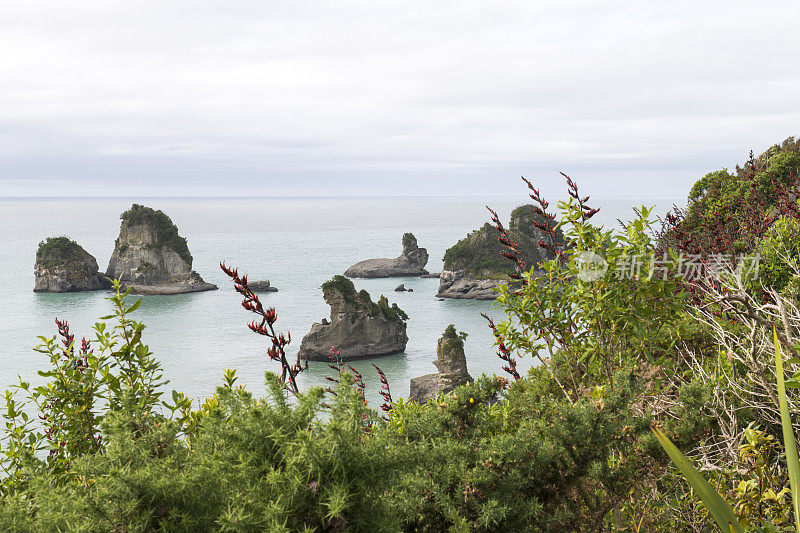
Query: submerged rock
62, 265
359, 327
473, 267
400, 288
452, 365
151, 257
262, 285
410, 263
431, 275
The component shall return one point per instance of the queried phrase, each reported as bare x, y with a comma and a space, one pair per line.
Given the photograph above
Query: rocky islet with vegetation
62, 265
151, 257
473, 267
358, 328
451, 364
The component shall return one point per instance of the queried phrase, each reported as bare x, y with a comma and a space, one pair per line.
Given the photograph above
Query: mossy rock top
361, 300
166, 231
409, 241
479, 252
61, 251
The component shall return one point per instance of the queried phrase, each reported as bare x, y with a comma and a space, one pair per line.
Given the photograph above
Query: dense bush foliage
483, 458
729, 212
59, 251
779, 252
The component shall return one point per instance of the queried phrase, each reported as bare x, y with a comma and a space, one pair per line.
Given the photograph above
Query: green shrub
779, 253
588, 321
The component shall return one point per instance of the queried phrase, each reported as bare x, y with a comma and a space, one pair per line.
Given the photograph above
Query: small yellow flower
472, 400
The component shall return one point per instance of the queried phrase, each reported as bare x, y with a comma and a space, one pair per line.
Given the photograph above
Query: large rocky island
151, 257
359, 327
473, 267
452, 365
62, 265
410, 263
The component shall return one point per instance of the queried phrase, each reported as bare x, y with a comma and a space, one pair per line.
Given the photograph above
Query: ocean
296, 243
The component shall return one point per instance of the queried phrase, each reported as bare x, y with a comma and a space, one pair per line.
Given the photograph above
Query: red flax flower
264, 325
385, 393
503, 352
547, 225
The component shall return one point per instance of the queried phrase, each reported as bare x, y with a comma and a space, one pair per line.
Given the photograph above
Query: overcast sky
298, 98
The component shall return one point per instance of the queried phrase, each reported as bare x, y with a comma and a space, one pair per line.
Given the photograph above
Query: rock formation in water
359, 327
262, 285
410, 263
62, 265
473, 267
151, 257
452, 365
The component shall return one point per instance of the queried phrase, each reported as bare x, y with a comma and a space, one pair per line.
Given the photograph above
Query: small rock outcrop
358, 327
400, 288
473, 267
410, 263
62, 265
452, 365
151, 257
261, 285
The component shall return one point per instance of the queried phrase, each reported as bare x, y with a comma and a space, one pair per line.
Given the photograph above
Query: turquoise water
296, 243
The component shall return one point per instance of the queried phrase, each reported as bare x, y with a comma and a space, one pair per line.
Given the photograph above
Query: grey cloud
388, 97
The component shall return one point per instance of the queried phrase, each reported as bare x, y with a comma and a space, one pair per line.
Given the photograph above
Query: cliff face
410, 263
63, 265
359, 327
151, 256
473, 267
452, 365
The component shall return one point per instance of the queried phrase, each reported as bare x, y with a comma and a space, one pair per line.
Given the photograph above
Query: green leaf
788, 433
135, 306
718, 507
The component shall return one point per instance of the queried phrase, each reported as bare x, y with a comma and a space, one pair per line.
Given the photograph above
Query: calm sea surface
296, 243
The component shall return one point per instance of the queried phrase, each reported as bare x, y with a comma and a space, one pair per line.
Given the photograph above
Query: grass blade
788, 434
716, 505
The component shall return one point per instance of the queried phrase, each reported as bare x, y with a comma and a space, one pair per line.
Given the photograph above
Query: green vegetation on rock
166, 231
361, 300
479, 252
59, 251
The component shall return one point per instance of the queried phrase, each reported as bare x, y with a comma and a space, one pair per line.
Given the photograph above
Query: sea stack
262, 285
410, 263
151, 257
359, 328
62, 265
452, 365
473, 267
